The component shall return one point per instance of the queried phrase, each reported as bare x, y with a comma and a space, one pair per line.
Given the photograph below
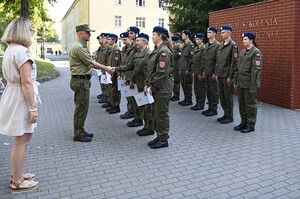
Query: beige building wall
101, 16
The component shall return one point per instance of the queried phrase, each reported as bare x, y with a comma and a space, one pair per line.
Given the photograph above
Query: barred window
140, 2
118, 2
140, 22
161, 22
118, 20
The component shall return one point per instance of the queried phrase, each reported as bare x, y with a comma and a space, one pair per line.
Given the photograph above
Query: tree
193, 14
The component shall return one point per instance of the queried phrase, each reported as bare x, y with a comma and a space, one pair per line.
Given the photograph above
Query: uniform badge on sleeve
257, 62
235, 55
163, 54
162, 64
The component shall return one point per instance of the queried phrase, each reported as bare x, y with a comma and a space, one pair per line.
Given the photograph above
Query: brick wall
276, 25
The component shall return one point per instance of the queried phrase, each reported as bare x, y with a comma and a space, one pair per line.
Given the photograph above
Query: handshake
110, 69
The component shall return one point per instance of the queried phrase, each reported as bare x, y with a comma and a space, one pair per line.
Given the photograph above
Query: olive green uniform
114, 60
81, 64
102, 59
197, 70
226, 65
161, 84
186, 79
175, 69
211, 53
247, 78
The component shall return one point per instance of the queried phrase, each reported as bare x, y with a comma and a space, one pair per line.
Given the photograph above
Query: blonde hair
18, 31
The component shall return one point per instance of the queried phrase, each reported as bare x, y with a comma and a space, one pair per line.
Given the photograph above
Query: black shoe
102, 100
135, 123
153, 141
82, 139
197, 108
181, 102
211, 113
239, 127
86, 134
145, 132
186, 103
106, 105
127, 115
114, 110
139, 131
108, 109
226, 120
247, 130
204, 112
221, 118
100, 96
174, 98
159, 144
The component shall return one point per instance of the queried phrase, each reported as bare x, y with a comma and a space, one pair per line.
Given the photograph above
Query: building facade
112, 16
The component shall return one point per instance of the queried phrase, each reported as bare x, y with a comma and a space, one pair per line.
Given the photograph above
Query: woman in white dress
18, 105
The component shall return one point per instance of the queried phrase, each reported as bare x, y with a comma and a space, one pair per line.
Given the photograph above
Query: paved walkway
204, 160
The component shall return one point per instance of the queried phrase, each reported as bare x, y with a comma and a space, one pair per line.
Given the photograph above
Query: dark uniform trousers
115, 95
199, 90
161, 116
148, 117
247, 106
103, 86
187, 85
176, 88
81, 88
226, 96
212, 93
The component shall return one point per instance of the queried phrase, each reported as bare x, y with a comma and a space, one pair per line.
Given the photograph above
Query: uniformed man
247, 81
175, 67
226, 65
211, 54
186, 77
114, 60
81, 64
159, 83
197, 70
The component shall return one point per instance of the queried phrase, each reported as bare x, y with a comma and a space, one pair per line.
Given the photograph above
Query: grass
44, 67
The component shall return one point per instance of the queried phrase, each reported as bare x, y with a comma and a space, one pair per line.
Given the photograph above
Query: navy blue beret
175, 38
250, 35
226, 27
114, 36
142, 35
124, 35
161, 30
187, 32
133, 29
199, 35
212, 28
104, 34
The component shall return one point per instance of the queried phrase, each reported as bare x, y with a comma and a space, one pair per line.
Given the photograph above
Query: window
140, 2
140, 22
118, 2
161, 22
118, 20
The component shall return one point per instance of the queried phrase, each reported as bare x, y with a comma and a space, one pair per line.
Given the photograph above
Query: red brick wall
276, 25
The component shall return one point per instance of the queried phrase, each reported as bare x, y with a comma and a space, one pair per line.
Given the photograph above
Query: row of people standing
214, 69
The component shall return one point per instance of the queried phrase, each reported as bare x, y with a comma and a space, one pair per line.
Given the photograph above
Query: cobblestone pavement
204, 160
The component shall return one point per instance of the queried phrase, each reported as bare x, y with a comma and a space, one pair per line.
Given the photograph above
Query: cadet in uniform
226, 65
211, 53
247, 81
81, 64
175, 67
114, 60
186, 77
159, 83
197, 70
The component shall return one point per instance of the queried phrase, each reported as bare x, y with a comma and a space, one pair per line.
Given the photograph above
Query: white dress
14, 110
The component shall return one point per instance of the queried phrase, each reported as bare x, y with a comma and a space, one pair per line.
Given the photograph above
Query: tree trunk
24, 9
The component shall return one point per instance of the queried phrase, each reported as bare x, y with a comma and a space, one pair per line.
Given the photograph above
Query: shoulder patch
235, 46
162, 64
163, 54
257, 55
257, 62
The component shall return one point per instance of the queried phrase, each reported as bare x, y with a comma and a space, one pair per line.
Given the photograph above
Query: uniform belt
82, 76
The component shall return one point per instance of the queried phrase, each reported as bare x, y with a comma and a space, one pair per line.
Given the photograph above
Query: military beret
199, 35
105, 34
98, 36
187, 32
114, 36
161, 30
212, 28
133, 29
226, 27
175, 38
142, 35
83, 27
124, 35
250, 35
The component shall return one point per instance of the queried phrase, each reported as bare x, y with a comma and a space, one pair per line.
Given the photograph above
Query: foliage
193, 14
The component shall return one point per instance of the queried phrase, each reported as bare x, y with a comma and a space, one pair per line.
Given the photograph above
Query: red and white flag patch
162, 64
163, 54
257, 62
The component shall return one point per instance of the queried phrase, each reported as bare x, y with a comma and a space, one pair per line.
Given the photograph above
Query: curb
49, 77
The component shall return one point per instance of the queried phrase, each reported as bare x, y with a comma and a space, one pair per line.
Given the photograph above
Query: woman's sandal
24, 186
26, 176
